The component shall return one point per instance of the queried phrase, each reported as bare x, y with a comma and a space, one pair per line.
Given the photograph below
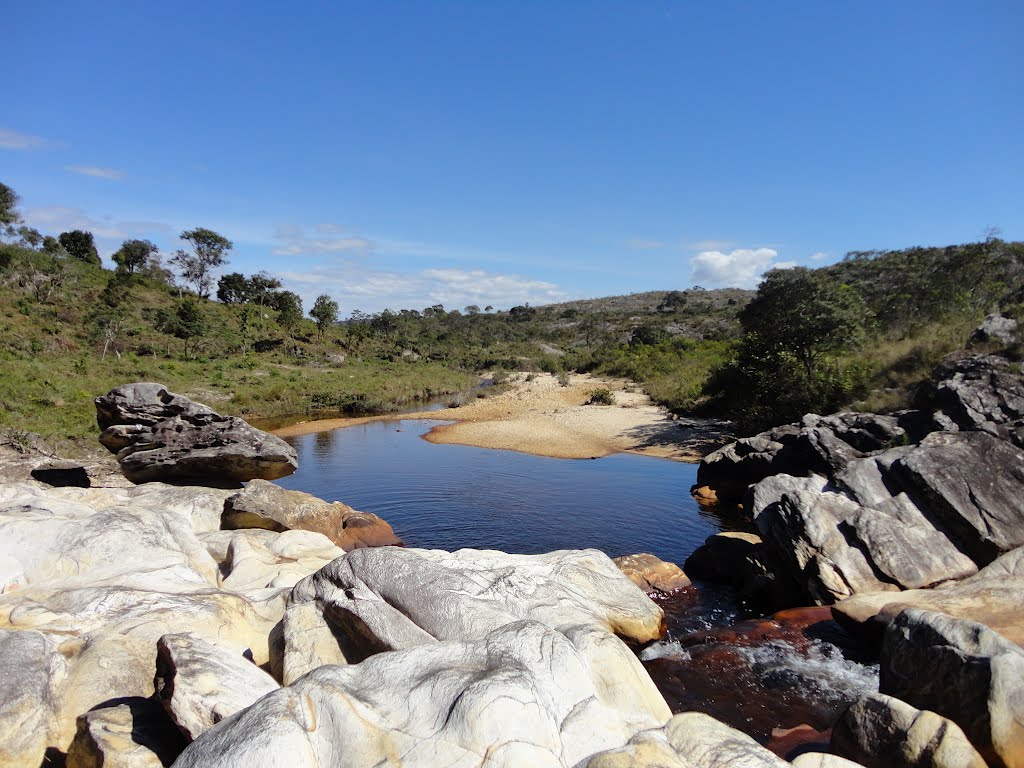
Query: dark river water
452, 496
756, 674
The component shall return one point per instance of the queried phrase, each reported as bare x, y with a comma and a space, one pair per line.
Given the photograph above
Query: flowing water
755, 674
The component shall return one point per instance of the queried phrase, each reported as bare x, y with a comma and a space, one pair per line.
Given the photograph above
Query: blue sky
401, 154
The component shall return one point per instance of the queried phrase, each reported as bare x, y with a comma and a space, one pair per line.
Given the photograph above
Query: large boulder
995, 328
880, 731
963, 671
158, 435
32, 670
256, 559
651, 573
200, 684
992, 597
264, 505
522, 694
391, 598
135, 734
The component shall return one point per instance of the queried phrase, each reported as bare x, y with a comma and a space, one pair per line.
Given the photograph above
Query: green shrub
600, 396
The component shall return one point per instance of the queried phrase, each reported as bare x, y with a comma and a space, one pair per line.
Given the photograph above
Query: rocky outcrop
158, 435
652, 574
265, 505
137, 734
963, 671
742, 561
880, 731
32, 671
992, 597
257, 559
200, 684
521, 694
995, 328
391, 598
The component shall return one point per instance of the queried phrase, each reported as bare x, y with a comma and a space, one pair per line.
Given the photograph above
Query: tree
30, 237
289, 309
9, 216
806, 313
324, 313
209, 252
80, 245
262, 287
187, 322
233, 288
134, 255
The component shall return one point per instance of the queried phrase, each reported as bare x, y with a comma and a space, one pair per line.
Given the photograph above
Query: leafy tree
185, 323
473, 309
30, 237
233, 288
261, 288
324, 313
9, 216
289, 309
209, 252
133, 255
80, 245
52, 246
806, 313
117, 290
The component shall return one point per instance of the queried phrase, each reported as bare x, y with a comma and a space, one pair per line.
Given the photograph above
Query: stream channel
758, 675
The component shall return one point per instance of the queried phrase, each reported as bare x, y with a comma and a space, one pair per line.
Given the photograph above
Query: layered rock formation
158, 435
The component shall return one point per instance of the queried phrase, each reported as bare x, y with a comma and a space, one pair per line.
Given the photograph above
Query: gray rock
823, 760
963, 671
972, 482
31, 673
523, 694
880, 731
200, 684
265, 505
992, 597
708, 743
158, 435
994, 328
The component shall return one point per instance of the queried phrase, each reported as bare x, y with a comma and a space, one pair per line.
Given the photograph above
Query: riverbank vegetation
864, 331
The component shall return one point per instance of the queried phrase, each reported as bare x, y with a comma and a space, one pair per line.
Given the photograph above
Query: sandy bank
537, 415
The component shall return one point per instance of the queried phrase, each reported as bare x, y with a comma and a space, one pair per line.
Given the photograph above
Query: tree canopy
209, 252
133, 255
9, 216
324, 313
80, 245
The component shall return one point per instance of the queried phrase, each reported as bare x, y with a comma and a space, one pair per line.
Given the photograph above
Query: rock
257, 559
952, 474
823, 760
158, 435
308, 642
390, 598
785, 742
651, 573
980, 393
137, 734
993, 597
200, 684
649, 749
31, 673
994, 328
707, 743
201, 506
265, 505
880, 731
729, 471
963, 671
522, 694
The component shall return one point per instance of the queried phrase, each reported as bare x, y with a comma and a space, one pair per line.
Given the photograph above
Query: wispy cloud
23, 141
111, 174
739, 268
820, 256
325, 239
358, 287
109, 232
709, 245
643, 244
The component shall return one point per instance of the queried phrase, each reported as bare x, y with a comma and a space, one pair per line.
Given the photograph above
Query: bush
601, 396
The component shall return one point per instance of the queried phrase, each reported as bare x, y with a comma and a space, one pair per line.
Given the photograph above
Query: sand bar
540, 416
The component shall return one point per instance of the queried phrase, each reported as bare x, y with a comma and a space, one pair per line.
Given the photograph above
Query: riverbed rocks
881, 731
264, 505
963, 671
651, 573
159, 435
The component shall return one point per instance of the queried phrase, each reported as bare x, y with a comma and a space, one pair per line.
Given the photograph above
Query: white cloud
111, 174
739, 268
325, 239
22, 141
820, 256
358, 287
54, 219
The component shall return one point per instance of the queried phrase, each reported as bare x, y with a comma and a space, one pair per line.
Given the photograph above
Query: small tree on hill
80, 245
133, 255
289, 309
9, 216
209, 252
188, 322
324, 313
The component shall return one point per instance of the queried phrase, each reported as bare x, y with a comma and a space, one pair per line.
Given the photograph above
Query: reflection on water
452, 496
